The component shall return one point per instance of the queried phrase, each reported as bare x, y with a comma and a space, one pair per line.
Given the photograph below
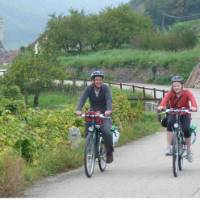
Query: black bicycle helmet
97, 73
177, 79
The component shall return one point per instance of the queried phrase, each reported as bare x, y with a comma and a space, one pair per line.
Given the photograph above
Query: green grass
54, 99
193, 25
54, 161
130, 57
59, 99
181, 62
146, 125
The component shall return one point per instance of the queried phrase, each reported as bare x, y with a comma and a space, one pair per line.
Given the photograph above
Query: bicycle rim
89, 156
175, 156
102, 156
180, 157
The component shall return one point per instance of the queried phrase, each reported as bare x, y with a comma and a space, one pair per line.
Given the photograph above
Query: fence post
120, 86
85, 82
154, 93
143, 88
163, 93
133, 88
74, 82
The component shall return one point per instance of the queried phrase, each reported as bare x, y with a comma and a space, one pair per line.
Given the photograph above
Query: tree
93, 35
56, 37
33, 73
118, 25
170, 11
180, 8
79, 29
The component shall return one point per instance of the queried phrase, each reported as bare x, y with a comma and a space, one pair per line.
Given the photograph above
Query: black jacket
101, 103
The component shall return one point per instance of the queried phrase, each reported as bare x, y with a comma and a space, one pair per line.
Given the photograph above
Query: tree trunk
26, 98
36, 99
80, 46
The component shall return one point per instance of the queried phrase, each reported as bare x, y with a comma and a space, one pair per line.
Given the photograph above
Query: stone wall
194, 78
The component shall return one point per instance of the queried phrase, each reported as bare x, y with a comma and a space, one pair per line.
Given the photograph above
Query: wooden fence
157, 94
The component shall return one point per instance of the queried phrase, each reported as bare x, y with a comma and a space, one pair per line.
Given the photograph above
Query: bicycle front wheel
180, 156
102, 155
175, 157
89, 155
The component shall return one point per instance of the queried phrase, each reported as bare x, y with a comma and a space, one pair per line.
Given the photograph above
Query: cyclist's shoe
168, 151
109, 157
189, 156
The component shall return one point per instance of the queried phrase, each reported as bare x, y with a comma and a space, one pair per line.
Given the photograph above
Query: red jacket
171, 100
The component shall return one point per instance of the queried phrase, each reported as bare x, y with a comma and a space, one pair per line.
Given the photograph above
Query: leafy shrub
192, 25
11, 92
11, 99
165, 40
11, 173
14, 106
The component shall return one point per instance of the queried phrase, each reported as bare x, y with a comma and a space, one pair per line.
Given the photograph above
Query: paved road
140, 169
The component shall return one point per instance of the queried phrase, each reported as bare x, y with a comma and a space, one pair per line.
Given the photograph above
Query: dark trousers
107, 136
185, 124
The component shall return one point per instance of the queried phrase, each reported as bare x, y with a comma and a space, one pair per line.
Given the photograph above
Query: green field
54, 99
181, 62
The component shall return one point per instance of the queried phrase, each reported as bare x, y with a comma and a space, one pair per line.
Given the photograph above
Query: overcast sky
93, 5
24, 20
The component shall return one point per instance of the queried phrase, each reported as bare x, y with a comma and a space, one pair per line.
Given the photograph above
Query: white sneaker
189, 156
168, 151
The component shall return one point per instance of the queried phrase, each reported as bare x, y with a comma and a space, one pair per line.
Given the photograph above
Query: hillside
193, 25
136, 65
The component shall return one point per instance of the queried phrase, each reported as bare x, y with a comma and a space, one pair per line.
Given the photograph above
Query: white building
2, 71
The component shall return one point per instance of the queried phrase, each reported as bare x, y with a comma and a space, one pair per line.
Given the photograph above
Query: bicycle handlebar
177, 110
102, 116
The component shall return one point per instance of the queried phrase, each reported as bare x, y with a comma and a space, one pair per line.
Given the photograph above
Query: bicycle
94, 146
178, 141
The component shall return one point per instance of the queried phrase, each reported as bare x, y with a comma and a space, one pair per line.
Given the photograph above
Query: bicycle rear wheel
89, 155
102, 156
175, 157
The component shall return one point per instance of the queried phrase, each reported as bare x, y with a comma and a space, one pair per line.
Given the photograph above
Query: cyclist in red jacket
178, 97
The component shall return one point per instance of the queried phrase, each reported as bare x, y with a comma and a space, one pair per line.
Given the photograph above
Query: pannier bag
164, 121
116, 134
193, 131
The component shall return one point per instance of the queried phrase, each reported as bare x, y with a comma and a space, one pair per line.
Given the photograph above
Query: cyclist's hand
78, 113
193, 109
160, 108
108, 112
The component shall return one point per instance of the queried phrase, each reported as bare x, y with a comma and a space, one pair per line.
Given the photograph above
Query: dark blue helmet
96, 73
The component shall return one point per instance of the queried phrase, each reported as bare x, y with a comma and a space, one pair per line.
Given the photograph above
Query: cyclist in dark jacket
100, 100
178, 97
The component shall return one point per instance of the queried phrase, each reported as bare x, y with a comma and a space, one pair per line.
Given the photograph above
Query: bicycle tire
180, 156
180, 163
175, 156
89, 156
102, 156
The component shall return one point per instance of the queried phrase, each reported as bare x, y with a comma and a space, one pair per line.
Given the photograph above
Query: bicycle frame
94, 147
178, 143
177, 131
94, 131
